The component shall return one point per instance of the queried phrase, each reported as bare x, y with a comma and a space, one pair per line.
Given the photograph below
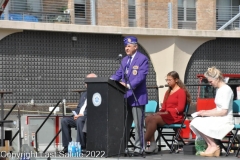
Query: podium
105, 116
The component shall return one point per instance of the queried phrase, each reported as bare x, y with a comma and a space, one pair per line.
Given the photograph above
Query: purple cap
130, 40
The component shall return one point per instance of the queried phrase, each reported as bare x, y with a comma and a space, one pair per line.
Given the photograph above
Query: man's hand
124, 84
76, 117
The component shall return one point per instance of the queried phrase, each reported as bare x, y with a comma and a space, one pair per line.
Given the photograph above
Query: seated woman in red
175, 100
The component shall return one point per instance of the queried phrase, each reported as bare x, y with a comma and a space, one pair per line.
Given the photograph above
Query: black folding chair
175, 134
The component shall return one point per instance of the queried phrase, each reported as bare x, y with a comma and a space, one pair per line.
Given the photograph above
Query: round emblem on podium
96, 99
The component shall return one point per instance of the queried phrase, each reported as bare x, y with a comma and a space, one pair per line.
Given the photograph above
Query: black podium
105, 116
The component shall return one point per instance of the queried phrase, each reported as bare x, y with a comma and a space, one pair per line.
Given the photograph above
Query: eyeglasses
167, 80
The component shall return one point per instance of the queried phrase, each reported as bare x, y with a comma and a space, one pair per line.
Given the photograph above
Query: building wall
206, 14
150, 13
170, 53
124, 13
49, 66
174, 13
51, 7
168, 49
220, 52
109, 13
141, 13
157, 14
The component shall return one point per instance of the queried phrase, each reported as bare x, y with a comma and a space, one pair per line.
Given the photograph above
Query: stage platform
163, 155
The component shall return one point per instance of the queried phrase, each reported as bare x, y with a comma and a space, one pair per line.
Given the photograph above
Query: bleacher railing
136, 14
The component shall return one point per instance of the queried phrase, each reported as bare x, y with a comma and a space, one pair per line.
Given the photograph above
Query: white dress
216, 126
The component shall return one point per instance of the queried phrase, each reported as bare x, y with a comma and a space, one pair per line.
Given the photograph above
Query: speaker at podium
105, 116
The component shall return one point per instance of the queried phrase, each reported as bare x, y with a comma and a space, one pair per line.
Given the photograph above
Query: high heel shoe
216, 153
151, 147
202, 154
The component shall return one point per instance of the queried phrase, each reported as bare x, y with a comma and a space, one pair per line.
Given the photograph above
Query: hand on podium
125, 85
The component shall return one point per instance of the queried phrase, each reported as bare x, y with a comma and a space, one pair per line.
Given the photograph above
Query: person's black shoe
83, 151
136, 154
64, 151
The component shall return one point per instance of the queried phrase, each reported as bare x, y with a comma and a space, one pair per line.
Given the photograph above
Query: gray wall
47, 66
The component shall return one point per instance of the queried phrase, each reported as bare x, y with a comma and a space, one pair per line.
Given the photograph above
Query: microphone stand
126, 152
126, 108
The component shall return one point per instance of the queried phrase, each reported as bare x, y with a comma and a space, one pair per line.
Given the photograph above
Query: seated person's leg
151, 125
149, 132
66, 124
85, 126
80, 135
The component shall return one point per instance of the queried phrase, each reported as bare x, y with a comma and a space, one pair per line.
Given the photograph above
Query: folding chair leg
176, 141
230, 145
238, 148
219, 142
158, 140
166, 141
174, 146
237, 151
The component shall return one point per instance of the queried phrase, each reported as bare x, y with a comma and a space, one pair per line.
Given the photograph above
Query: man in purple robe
132, 74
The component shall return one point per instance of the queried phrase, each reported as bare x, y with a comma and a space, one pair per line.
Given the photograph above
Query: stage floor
163, 155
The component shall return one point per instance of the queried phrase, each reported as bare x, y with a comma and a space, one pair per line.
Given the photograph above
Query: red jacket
174, 105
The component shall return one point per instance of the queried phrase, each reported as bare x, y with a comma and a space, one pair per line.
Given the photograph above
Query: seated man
76, 121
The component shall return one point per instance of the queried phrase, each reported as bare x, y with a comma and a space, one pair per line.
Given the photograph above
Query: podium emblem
96, 99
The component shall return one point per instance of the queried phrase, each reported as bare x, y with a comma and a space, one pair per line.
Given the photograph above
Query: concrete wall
168, 49
7, 32
170, 53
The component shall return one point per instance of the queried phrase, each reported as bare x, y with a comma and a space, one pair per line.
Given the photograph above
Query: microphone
119, 57
161, 86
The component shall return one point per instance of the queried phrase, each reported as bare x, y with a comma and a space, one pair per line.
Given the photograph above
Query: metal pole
14, 137
52, 141
36, 133
63, 108
6, 12
239, 20
19, 129
2, 114
229, 22
170, 15
185, 10
93, 14
10, 111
